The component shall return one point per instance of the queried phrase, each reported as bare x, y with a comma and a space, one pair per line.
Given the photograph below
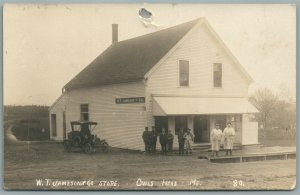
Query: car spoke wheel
104, 148
88, 148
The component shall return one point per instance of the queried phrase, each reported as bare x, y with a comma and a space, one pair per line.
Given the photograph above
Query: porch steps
206, 147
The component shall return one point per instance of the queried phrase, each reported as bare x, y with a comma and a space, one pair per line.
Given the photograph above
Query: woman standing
228, 138
215, 138
188, 143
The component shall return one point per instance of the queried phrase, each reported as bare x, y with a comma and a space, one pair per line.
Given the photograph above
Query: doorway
53, 125
180, 122
201, 129
161, 122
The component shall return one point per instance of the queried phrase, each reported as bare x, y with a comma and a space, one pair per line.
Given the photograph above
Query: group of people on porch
166, 138
186, 139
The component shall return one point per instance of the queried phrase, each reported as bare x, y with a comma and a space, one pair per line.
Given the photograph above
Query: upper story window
84, 112
217, 75
183, 73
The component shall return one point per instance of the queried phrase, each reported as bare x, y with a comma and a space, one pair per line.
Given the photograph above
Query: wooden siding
250, 131
121, 125
202, 51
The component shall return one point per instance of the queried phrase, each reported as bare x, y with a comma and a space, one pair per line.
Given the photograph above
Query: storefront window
221, 120
180, 122
160, 123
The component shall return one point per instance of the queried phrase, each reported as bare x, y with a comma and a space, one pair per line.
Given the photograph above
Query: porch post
190, 122
171, 125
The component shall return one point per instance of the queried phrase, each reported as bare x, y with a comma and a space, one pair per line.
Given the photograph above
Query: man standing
146, 138
228, 138
215, 138
170, 141
163, 140
153, 139
181, 141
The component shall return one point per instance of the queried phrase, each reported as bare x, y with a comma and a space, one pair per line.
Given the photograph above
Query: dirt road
46, 166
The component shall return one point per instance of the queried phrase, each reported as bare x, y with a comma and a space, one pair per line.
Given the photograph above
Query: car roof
83, 122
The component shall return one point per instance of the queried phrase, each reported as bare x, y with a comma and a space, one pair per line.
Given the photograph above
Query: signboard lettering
130, 100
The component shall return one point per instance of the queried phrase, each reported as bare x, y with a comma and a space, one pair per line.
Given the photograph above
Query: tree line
26, 111
275, 110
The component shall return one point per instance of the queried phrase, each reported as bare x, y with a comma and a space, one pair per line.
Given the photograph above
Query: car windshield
76, 127
83, 126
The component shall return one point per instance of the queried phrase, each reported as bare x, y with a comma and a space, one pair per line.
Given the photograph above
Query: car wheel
88, 148
104, 148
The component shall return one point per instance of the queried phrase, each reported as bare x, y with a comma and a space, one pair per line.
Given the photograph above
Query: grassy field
28, 163
276, 137
25, 163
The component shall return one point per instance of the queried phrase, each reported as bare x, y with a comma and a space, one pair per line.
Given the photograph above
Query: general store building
183, 76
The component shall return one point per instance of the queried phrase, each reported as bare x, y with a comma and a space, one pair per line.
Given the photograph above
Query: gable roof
131, 59
135, 59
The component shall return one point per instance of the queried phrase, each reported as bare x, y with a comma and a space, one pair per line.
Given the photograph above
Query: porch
201, 114
200, 125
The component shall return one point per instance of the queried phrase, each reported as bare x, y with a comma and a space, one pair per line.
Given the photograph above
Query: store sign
131, 100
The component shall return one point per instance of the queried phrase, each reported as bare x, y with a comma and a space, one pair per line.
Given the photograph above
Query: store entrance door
180, 122
161, 122
201, 129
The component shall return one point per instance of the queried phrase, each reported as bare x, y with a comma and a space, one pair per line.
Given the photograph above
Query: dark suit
170, 142
146, 138
163, 139
153, 139
181, 142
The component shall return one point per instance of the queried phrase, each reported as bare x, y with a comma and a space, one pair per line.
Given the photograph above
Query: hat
146, 128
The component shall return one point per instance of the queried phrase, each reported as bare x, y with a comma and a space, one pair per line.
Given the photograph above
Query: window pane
184, 66
84, 112
184, 72
217, 75
84, 116
217, 67
184, 80
84, 108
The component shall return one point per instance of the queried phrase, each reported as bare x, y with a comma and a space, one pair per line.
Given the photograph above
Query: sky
45, 46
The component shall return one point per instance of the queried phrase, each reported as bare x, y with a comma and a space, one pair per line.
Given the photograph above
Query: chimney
114, 33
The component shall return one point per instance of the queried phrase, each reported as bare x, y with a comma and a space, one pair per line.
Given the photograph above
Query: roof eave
105, 84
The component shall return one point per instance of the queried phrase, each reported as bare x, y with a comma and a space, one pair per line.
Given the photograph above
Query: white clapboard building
183, 76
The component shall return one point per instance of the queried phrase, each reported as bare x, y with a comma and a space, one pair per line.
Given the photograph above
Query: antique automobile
81, 137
